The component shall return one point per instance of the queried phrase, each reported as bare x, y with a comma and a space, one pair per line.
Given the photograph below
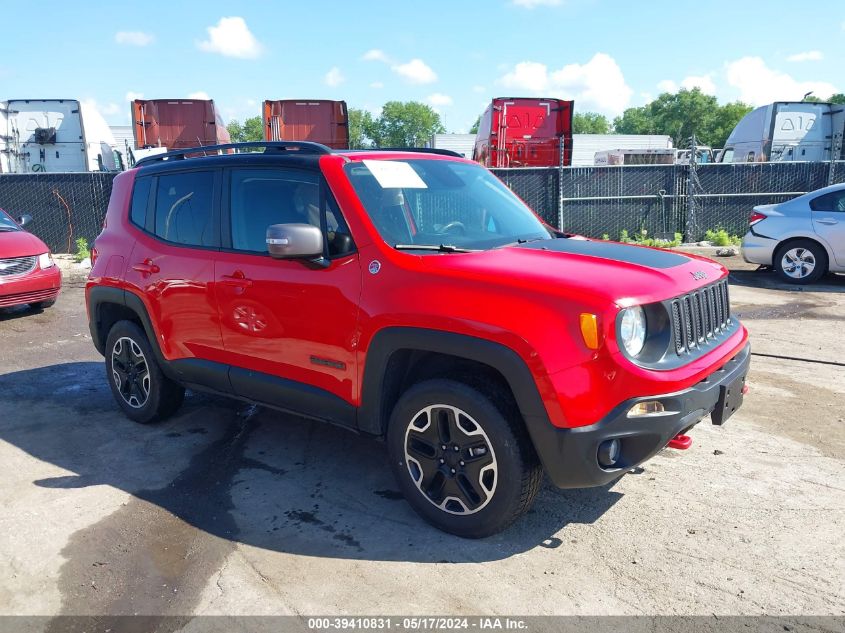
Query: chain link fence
592, 201
64, 207
664, 199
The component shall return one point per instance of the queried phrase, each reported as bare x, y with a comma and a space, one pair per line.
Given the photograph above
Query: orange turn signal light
590, 330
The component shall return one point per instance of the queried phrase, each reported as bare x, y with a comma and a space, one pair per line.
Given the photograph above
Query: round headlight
632, 330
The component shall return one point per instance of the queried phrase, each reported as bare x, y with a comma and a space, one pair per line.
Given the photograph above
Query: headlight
45, 260
632, 330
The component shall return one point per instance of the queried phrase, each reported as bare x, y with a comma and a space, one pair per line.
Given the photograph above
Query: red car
28, 274
410, 296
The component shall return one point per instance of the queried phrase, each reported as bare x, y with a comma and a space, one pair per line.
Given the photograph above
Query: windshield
439, 202
7, 223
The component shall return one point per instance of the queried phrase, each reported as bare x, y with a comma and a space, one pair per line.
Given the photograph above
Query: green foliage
404, 124
252, 129
605, 236
82, 250
360, 121
590, 123
720, 237
837, 98
641, 238
681, 115
474, 128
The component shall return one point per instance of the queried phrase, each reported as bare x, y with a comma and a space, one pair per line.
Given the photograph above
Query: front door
288, 326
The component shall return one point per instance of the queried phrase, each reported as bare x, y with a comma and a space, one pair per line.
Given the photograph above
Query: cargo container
636, 157
177, 123
459, 143
53, 135
788, 131
585, 146
325, 122
525, 132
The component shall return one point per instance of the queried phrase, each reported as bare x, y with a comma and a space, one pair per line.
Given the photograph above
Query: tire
800, 262
43, 305
139, 387
470, 493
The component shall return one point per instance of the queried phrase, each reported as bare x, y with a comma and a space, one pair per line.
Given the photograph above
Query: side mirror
24, 219
294, 241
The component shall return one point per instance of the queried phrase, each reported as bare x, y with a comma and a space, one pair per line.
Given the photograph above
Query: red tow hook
681, 442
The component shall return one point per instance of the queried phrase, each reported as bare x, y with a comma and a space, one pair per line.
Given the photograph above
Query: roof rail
270, 147
421, 150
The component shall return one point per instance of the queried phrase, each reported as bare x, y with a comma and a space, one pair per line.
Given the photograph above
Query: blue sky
455, 55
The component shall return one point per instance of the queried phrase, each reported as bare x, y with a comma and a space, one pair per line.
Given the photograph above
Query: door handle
146, 267
237, 279
827, 221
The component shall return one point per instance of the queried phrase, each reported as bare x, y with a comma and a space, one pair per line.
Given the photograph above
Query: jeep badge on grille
699, 275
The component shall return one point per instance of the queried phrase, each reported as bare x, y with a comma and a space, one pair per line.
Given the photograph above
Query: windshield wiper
440, 248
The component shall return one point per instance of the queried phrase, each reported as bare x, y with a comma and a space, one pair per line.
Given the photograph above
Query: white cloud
200, 94
134, 38
377, 85
527, 76
439, 99
667, 85
597, 85
375, 55
415, 71
758, 84
131, 96
530, 4
702, 82
334, 77
231, 37
479, 89
806, 56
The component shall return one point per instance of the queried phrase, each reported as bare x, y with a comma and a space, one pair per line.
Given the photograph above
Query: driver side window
259, 198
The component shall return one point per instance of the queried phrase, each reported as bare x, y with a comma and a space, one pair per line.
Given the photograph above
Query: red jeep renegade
409, 295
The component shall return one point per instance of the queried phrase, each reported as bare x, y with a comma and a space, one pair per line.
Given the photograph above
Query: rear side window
184, 208
140, 201
833, 201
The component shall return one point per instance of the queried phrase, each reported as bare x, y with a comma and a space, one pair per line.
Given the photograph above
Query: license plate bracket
730, 399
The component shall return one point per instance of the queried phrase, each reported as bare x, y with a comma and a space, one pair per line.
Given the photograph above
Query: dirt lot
229, 509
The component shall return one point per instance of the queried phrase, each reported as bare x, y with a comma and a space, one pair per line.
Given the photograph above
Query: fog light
609, 453
649, 407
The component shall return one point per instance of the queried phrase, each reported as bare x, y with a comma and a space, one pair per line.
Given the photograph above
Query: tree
681, 115
360, 126
590, 123
405, 124
837, 98
251, 130
474, 128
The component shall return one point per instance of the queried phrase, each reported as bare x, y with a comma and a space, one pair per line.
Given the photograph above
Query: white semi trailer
53, 135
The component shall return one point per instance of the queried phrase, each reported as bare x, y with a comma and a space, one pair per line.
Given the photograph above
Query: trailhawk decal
648, 257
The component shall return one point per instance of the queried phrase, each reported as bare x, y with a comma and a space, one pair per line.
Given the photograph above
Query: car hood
20, 244
589, 271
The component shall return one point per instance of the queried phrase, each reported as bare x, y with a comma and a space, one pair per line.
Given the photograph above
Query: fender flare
372, 416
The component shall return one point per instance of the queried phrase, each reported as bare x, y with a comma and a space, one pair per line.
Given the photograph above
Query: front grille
700, 316
17, 265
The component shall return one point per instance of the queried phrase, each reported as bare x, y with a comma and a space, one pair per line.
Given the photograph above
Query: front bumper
39, 285
570, 456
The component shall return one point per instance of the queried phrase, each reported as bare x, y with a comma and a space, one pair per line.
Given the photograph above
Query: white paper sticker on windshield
394, 174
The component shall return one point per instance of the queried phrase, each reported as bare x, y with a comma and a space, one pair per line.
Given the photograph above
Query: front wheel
800, 262
137, 383
462, 458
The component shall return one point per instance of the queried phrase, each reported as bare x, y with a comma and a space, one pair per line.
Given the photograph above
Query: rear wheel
462, 458
137, 383
800, 262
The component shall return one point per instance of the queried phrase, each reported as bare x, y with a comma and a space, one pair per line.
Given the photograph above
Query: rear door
172, 263
828, 212
288, 325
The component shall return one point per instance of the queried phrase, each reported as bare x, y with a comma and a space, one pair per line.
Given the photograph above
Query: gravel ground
231, 509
